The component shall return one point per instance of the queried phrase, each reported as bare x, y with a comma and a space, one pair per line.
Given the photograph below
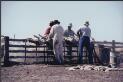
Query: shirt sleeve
78, 30
47, 31
51, 34
82, 29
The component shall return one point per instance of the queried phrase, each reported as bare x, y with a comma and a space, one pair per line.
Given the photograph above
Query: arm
79, 33
51, 34
92, 39
47, 31
66, 33
75, 34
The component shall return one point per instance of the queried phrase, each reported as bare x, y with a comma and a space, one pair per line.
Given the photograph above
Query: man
56, 33
49, 42
69, 32
85, 41
38, 42
69, 39
47, 32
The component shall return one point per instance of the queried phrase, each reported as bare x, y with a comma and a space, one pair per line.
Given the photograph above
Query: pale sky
26, 18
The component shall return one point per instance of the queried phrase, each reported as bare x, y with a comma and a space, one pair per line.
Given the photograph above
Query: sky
26, 18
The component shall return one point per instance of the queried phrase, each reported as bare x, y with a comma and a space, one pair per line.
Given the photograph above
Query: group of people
58, 35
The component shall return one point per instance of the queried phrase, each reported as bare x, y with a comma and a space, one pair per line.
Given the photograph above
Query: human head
56, 22
51, 23
86, 23
69, 26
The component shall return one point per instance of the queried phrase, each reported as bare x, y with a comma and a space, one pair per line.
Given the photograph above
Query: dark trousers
85, 41
69, 48
49, 44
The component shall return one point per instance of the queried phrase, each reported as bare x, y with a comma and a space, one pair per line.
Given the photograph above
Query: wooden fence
48, 53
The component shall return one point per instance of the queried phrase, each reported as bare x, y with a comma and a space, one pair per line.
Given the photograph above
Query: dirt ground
56, 73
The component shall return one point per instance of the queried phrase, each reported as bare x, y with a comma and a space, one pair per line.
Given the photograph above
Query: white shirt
57, 32
86, 31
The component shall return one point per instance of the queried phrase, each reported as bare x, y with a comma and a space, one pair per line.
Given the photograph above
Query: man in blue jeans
85, 41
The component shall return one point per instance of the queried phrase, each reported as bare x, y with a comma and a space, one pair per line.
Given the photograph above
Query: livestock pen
41, 52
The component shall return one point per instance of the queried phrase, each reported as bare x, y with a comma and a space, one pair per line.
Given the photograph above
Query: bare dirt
56, 73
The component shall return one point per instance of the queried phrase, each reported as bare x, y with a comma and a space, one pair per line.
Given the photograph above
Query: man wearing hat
56, 33
69, 39
85, 41
69, 31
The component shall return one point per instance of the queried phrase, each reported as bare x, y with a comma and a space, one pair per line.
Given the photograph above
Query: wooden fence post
6, 57
25, 52
36, 54
113, 56
101, 47
113, 45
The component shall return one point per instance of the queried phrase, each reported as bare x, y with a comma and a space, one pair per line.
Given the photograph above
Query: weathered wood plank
105, 42
27, 56
18, 40
48, 56
28, 46
23, 51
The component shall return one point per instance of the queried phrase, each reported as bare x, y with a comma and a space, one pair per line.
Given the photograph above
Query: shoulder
66, 30
82, 28
56, 25
53, 27
72, 31
59, 25
48, 28
89, 28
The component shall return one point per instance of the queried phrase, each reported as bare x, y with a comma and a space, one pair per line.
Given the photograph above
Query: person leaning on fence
56, 33
85, 41
49, 42
47, 32
69, 39
37, 42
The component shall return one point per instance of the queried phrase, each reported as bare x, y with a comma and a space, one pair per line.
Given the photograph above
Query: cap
86, 23
70, 24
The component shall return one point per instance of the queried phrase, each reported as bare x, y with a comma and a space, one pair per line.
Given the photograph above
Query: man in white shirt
85, 41
56, 33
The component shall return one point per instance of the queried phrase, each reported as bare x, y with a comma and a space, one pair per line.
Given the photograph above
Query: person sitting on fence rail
56, 33
69, 37
85, 41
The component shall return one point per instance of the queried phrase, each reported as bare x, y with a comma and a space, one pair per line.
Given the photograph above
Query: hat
86, 23
70, 24
56, 21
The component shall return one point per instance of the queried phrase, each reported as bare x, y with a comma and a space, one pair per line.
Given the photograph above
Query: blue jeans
85, 41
